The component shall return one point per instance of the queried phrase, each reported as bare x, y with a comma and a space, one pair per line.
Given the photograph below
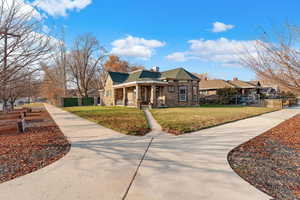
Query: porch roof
133, 83
146, 75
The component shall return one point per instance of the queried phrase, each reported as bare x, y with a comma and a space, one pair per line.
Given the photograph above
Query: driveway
103, 164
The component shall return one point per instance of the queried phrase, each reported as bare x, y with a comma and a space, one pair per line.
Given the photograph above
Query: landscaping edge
194, 131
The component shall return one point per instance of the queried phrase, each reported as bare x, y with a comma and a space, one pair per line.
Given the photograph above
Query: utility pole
4, 75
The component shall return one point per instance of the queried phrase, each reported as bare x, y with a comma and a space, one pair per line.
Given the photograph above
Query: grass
126, 120
184, 120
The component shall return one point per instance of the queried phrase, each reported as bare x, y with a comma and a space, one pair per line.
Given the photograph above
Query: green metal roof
145, 75
180, 74
118, 77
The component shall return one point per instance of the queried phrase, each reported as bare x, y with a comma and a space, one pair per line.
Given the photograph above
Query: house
267, 88
210, 87
245, 91
172, 88
244, 88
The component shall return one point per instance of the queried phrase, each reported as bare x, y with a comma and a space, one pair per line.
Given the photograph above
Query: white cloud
177, 56
221, 27
222, 50
60, 7
135, 47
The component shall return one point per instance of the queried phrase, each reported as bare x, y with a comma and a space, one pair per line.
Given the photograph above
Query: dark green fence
87, 101
70, 102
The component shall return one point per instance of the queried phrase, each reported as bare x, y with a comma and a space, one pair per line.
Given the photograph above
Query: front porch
138, 95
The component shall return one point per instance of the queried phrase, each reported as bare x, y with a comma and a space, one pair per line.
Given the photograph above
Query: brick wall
108, 95
172, 98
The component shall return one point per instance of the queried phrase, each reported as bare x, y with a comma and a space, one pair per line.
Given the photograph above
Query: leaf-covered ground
22, 153
271, 161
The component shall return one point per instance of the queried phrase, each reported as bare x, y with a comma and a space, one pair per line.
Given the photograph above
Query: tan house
210, 87
171, 88
244, 88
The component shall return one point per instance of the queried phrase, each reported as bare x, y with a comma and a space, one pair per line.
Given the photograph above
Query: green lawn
123, 119
184, 120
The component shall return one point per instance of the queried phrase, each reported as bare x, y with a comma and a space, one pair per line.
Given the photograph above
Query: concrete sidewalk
194, 166
101, 164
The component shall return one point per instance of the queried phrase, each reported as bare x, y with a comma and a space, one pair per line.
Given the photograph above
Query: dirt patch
41, 144
271, 161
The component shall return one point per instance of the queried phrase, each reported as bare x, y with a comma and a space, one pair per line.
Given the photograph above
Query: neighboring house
267, 88
210, 87
244, 88
171, 88
246, 91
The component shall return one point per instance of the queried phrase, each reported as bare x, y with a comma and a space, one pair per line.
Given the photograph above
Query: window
171, 88
195, 95
183, 93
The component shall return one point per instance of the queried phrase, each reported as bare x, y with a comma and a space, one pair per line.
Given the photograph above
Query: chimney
235, 79
205, 78
155, 69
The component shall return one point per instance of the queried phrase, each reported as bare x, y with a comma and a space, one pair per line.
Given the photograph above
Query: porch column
114, 97
153, 95
138, 95
164, 92
124, 96
146, 94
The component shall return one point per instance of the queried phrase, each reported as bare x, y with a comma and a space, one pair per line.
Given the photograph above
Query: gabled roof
143, 75
267, 84
180, 74
118, 77
146, 75
255, 82
214, 84
241, 84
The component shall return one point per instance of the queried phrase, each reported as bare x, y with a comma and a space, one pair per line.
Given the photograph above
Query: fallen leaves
21, 153
271, 161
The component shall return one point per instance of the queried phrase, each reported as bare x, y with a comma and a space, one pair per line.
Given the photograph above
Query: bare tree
16, 90
51, 86
60, 62
85, 61
277, 58
23, 43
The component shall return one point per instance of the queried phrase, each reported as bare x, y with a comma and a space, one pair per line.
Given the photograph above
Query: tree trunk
12, 103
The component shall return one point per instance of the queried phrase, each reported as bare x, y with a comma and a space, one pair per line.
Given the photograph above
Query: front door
146, 94
160, 96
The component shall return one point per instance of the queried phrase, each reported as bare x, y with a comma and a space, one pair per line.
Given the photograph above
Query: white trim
139, 82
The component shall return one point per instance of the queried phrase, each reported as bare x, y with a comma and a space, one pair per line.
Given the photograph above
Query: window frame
185, 95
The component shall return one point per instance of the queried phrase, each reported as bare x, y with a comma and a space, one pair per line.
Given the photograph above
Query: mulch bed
271, 161
21, 153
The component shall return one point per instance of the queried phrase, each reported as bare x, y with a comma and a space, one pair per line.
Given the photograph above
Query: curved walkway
103, 164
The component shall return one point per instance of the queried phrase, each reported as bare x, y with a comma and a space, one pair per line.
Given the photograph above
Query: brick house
171, 88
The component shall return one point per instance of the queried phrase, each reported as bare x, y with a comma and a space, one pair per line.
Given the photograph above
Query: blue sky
173, 33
